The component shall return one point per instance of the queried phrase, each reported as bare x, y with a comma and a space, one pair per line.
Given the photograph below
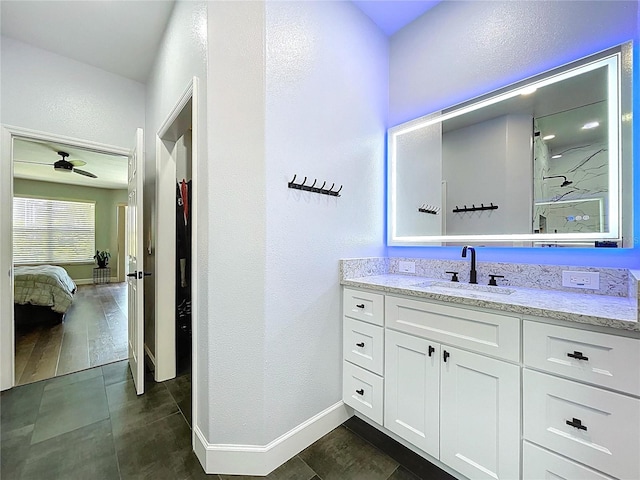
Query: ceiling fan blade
77, 163
85, 173
32, 163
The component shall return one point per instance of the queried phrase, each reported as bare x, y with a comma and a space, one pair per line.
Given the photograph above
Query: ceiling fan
66, 166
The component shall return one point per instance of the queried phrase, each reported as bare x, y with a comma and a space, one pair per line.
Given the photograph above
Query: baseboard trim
261, 460
149, 359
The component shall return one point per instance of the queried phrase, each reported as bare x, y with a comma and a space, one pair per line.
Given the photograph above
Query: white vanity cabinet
458, 406
570, 409
363, 352
480, 390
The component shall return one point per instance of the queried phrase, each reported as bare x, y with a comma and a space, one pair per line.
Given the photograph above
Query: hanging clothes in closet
183, 269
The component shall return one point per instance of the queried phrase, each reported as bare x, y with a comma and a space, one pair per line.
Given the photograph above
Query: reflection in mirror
537, 163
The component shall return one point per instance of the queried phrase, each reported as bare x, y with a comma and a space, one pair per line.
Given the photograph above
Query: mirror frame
618, 61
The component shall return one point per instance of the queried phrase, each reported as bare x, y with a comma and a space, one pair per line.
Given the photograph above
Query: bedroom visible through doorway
69, 250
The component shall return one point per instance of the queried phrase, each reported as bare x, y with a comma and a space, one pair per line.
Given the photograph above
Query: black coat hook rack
473, 208
424, 208
313, 188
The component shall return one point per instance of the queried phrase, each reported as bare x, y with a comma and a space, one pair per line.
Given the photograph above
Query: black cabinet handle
445, 355
361, 392
577, 356
361, 344
431, 350
360, 306
576, 423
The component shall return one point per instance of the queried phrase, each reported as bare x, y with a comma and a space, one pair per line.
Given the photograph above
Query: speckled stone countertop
603, 310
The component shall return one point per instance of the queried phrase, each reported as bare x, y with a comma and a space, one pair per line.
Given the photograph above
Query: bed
42, 293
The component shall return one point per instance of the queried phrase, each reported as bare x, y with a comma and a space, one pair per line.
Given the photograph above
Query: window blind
53, 231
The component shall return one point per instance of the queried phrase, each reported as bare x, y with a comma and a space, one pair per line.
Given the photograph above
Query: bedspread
45, 285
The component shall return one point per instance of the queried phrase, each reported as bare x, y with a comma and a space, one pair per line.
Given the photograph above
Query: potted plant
102, 258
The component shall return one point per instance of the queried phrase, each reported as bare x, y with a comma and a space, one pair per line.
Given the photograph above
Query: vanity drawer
363, 391
597, 358
604, 430
539, 463
363, 344
365, 306
482, 332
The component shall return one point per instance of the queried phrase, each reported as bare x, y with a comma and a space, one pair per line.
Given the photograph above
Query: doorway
174, 221
41, 341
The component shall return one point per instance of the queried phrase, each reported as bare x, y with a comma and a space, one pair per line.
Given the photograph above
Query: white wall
49, 93
54, 94
181, 56
326, 115
315, 105
489, 162
236, 179
462, 49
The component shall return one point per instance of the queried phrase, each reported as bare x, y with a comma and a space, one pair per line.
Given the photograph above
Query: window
53, 231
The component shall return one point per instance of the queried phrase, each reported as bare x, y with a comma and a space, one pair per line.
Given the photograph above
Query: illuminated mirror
539, 163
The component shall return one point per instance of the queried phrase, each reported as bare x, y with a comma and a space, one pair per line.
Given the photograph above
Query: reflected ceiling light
528, 90
548, 137
557, 155
590, 125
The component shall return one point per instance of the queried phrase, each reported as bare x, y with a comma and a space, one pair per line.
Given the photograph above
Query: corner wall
326, 111
294, 88
462, 49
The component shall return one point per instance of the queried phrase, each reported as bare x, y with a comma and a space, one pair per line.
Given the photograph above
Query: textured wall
315, 105
54, 94
181, 56
326, 113
106, 201
236, 250
459, 50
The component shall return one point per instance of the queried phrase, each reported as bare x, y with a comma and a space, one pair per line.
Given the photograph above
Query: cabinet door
412, 390
479, 415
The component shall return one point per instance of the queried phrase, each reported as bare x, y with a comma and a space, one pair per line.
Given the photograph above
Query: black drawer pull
361, 344
361, 392
577, 423
445, 355
360, 306
577, 356
431, 350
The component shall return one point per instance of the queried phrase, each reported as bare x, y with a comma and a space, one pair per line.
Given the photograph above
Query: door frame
7, 330
164, 227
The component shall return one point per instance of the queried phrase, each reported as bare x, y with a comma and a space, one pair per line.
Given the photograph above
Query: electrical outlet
406, 267
573, 279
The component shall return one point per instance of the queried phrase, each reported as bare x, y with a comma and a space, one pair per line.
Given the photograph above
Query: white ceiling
110, 169
119, 36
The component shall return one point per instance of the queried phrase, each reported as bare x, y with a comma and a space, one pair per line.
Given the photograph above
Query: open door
135, 255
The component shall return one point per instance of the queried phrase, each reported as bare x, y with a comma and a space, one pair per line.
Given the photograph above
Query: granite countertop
603, 310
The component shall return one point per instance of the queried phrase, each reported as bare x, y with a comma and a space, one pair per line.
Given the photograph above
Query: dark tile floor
91, 425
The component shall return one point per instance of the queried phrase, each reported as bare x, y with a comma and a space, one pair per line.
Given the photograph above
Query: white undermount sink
469, 287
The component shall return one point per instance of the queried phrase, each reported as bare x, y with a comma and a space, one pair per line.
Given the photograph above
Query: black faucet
472, 273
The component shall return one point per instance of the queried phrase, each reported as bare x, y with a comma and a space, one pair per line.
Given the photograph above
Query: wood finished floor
93, 333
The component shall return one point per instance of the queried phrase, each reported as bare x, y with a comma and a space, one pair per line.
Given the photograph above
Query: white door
412, 390
135, 252
479, 415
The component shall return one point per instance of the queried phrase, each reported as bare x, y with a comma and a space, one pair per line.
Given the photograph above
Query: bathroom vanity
495, 382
